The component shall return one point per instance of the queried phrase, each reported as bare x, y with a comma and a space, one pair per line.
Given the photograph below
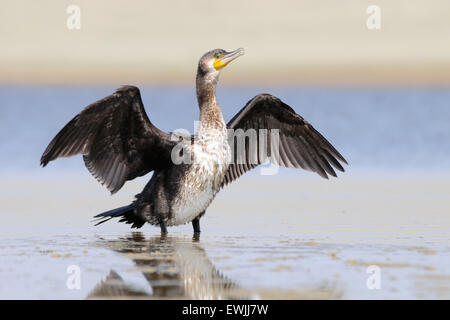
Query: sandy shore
368, 208
323, 42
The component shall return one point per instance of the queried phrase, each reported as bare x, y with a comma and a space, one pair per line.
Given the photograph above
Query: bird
118, 143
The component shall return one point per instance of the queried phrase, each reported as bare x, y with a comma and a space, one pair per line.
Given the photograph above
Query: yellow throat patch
218, 64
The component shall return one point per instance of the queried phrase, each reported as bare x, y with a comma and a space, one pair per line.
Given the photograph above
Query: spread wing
299, 145
117, 140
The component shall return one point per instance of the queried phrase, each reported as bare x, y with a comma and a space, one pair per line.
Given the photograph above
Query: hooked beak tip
230, 56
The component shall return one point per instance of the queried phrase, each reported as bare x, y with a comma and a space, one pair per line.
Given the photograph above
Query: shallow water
287, 236
177, 267
375, 128
266, 237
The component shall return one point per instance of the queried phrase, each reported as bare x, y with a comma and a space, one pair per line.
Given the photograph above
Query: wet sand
276, 237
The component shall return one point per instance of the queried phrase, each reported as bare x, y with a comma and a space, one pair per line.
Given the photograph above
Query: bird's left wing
299, 145
117, 140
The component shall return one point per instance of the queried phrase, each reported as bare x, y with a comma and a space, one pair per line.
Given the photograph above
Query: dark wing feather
117, 140
299, 144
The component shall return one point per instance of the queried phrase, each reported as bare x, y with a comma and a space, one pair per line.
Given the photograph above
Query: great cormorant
119, 143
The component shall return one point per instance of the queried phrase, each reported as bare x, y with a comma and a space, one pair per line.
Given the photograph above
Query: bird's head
212, 62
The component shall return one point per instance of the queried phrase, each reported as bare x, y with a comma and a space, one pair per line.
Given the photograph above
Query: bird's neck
210, 113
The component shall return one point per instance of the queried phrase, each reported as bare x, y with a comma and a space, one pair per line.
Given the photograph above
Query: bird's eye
217, 56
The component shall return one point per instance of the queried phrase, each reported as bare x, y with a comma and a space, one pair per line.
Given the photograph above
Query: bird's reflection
175, 269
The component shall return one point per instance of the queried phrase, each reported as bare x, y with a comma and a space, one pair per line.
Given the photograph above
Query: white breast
212, 156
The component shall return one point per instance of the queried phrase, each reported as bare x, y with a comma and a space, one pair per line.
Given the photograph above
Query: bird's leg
163, 227
196, 225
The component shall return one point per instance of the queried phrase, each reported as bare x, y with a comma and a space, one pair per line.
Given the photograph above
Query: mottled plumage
119, 143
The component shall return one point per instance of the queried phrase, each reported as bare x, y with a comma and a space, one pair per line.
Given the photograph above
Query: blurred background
308, 42
381, 96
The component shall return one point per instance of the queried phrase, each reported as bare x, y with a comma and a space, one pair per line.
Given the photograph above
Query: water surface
287, 236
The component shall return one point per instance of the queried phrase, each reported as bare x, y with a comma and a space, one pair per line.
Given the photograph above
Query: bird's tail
126, 213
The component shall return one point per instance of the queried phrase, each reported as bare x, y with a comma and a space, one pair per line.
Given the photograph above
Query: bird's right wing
117, 140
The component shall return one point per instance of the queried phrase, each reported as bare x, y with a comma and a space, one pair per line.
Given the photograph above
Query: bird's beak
222, 61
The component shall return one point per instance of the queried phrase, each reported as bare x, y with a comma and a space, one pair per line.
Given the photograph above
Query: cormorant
119, 143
